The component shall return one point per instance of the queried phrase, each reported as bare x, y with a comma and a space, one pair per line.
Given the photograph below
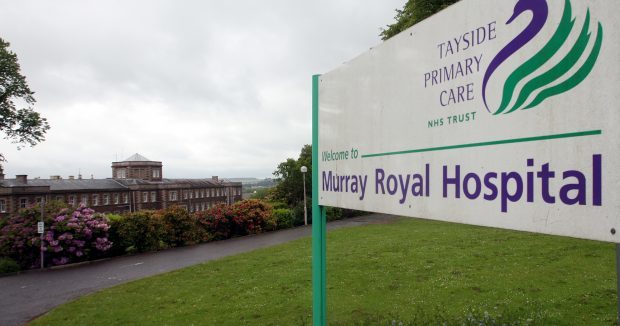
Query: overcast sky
207, 87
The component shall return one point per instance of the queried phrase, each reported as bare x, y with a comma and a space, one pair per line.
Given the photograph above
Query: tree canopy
412, 13
22, 126
290, 180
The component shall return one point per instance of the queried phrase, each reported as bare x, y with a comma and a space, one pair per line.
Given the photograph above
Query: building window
173, 196
156, 173
153, 196
202, 206
184, 194
84, 200
191, 194
125, 198
72, 200
217, 192
106, 199
2, 206
39, 200
116, 199
145, 197
121, 173
95, 200
197, 194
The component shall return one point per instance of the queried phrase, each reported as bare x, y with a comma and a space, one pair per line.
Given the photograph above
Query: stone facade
137, 184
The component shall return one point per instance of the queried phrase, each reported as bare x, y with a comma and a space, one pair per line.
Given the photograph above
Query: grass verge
410, 272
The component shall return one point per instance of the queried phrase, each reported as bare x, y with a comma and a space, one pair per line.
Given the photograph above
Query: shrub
252, 216
113, 217
8, 265
333, 213
19, 239
348, 213
137, 232
179, 225
69, 237
216, 222
77, 236
284, 218
278, 205
298, 213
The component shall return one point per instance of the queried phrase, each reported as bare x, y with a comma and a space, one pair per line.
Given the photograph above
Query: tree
290, 180
20, 126
412, 13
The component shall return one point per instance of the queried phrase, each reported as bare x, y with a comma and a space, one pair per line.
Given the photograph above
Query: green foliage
284, 218
414, 272
334, 213
412, 13
137, 232
298, 213
50, 210
262, 193
8, 265
278, 204
21, 126
290, 188
113, 217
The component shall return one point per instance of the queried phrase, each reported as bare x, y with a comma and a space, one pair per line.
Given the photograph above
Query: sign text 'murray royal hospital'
494, 113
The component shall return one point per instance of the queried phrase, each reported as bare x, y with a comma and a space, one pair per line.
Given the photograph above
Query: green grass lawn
412, 271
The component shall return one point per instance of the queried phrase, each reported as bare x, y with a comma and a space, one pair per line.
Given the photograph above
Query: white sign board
40, 227
494, 113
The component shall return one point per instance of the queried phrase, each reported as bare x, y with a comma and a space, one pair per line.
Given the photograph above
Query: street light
303, 171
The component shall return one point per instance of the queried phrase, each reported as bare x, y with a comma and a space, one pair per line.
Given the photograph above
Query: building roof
192, 182
108, 184
65, 184
137, 158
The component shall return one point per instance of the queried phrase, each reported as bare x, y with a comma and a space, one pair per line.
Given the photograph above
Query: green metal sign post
319, 284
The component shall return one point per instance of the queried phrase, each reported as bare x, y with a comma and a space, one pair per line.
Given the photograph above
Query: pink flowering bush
76, 236
216, 222
19, 239
69, 237
252, 216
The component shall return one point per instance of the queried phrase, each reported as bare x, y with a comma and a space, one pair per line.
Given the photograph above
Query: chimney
79, 177
22, 178
55, 177
214, 178
92, 176
71, 177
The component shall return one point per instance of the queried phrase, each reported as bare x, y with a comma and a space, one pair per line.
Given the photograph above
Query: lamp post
303, 172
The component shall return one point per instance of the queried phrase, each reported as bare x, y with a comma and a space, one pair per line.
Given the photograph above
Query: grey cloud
207, 87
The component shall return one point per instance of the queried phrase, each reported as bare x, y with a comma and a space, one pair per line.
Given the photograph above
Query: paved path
25, 296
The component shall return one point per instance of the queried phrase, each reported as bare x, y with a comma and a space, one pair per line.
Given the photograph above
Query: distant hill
251, 181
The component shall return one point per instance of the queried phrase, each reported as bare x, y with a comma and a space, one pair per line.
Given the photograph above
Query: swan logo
539, 84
